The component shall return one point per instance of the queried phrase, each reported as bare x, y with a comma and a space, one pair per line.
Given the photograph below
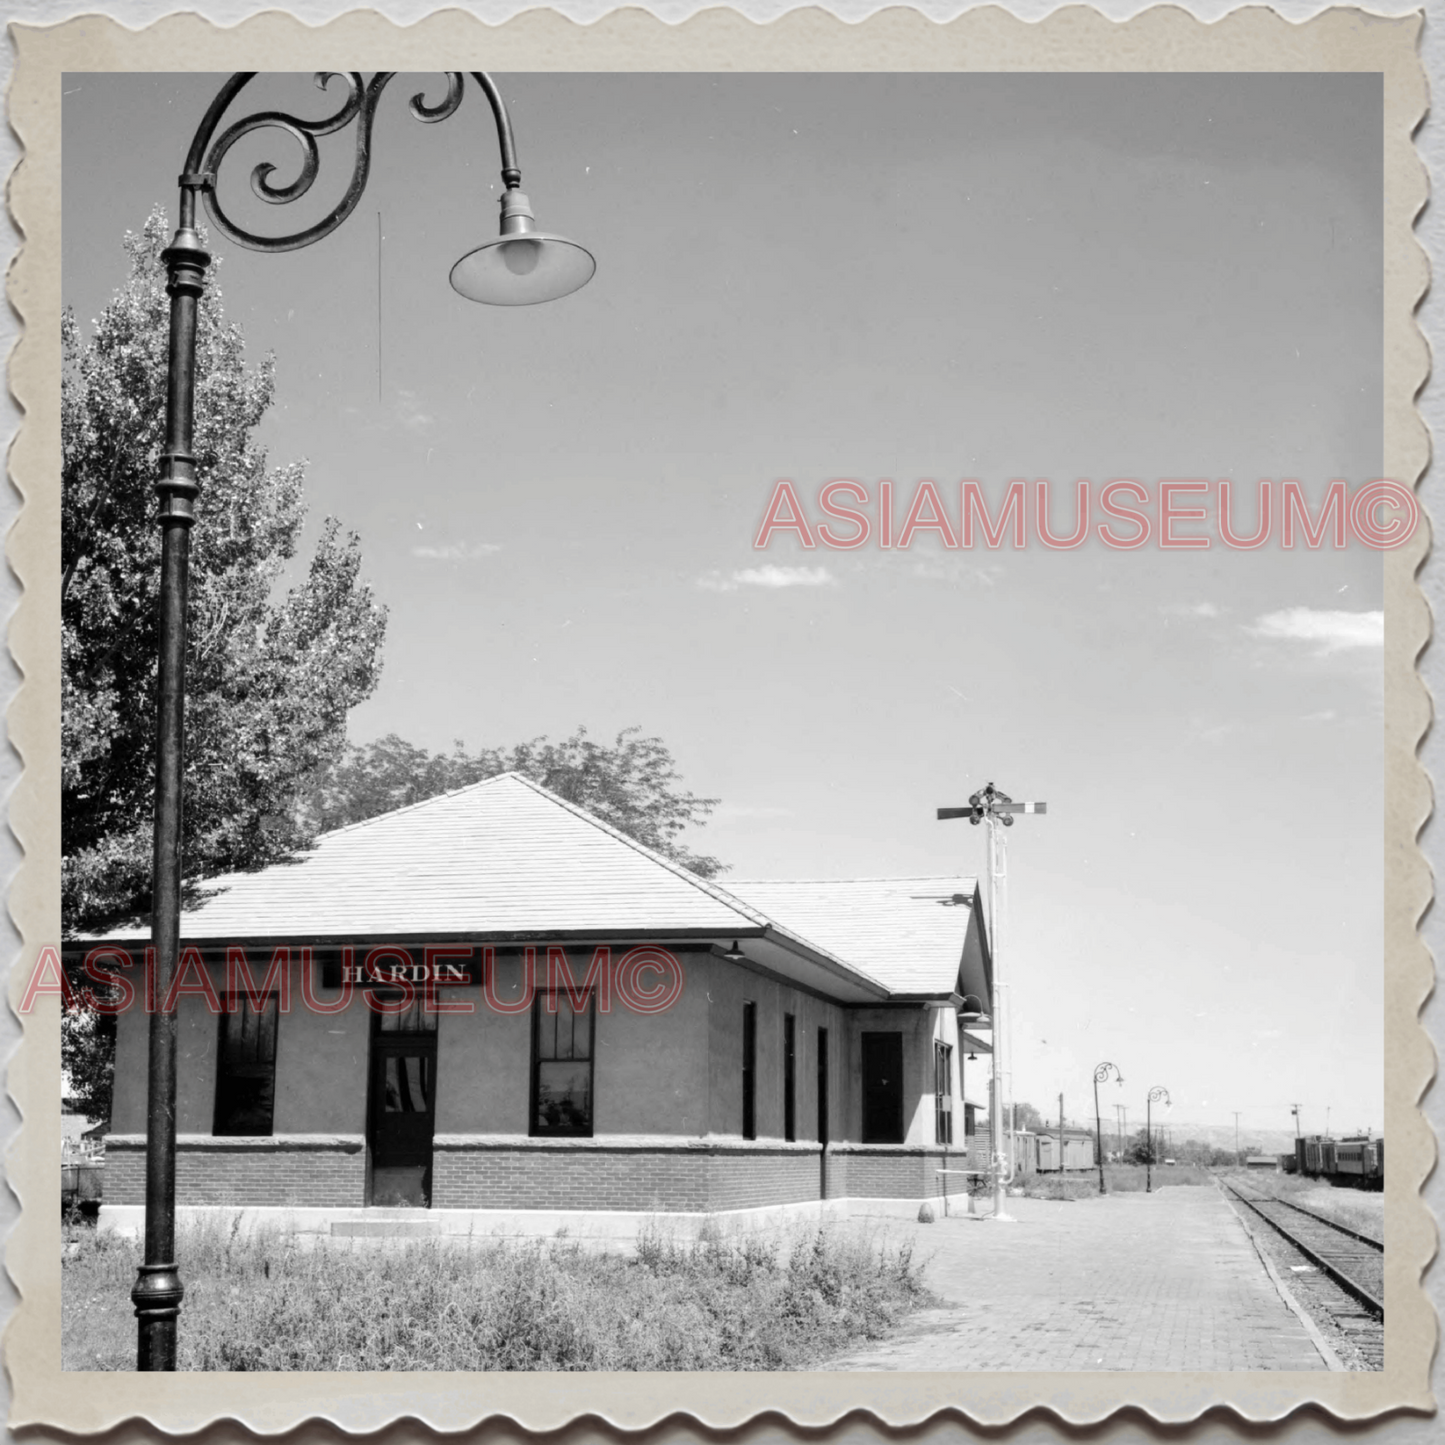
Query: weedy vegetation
1118, 1179
720, 1302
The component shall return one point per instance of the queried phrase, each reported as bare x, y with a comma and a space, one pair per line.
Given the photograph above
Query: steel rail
1346, 1282
1325, 1219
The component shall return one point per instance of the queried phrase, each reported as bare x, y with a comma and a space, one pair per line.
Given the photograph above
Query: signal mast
996, 809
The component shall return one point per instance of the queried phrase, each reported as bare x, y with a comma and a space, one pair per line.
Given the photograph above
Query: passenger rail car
1357, 1160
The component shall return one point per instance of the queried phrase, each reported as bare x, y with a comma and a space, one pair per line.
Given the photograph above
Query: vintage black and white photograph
723, 721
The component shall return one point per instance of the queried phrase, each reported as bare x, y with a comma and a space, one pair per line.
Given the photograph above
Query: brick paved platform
1164, 1281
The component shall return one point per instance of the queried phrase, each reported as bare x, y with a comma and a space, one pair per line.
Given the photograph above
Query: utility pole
1119, 1128
1236, 1137
996, 809
1061, 1134
1294, 1109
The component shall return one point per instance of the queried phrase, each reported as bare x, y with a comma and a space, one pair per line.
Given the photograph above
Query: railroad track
1352, 1293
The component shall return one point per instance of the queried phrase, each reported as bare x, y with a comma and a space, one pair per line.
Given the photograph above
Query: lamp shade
522, 266
522, 270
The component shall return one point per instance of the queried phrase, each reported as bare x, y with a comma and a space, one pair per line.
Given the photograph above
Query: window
750, 1070
790, 1077
562, 1056
416, 1018
943, 1093
246, 1068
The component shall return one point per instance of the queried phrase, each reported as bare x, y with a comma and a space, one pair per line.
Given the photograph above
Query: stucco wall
677, 1074
196, 1040
321, 1065
918, 1026
650, 1076
729, 987
483, 1060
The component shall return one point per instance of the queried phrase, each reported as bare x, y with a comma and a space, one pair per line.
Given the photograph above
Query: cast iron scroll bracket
206, 156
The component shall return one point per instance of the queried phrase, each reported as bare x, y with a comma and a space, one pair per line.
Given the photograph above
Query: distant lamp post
1294, 1109
1101, 1076
521, 266
1155, 1094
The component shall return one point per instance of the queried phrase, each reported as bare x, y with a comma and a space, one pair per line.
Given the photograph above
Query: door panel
403, 1116
882, 1088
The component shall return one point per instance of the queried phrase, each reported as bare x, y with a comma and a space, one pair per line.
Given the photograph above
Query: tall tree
270, 674
632, 783
1028, 1117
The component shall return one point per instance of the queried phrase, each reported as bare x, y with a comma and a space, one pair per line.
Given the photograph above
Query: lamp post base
157, 1298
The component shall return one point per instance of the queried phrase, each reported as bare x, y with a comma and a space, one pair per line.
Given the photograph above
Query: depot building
494, 1007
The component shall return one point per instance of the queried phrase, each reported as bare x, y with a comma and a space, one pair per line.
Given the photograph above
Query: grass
266, 1302
1118, 1178
1354, 1208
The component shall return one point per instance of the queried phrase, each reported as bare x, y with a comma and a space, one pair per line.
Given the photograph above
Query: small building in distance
1039, 1153
493, 1011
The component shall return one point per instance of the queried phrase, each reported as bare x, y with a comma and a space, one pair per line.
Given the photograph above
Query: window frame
536, 1130
234, 1006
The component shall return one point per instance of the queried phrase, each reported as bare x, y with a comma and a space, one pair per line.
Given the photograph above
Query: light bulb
521, 257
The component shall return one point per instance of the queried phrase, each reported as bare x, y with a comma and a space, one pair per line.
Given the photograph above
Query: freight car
1357, 1160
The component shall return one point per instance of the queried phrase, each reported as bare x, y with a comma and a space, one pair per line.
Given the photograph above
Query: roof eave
830, 964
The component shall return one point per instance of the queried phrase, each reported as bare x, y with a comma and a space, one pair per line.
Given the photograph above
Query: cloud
769, 576
953, 571
1191, 609
456, 551
1328, 631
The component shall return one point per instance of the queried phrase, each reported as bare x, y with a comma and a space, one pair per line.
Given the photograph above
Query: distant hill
1219, 1136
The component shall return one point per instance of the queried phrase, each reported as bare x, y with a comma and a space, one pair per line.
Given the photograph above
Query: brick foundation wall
298, 1172
750, 1180
691, 1178
886, 1171
687, 1177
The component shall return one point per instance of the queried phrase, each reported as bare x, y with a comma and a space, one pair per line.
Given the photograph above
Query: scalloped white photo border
984, 39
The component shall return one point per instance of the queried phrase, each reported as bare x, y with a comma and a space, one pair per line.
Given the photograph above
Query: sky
879, 277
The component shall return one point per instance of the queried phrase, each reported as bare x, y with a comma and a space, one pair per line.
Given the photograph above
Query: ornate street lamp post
520, 266
1101, 1075
1155, 1094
